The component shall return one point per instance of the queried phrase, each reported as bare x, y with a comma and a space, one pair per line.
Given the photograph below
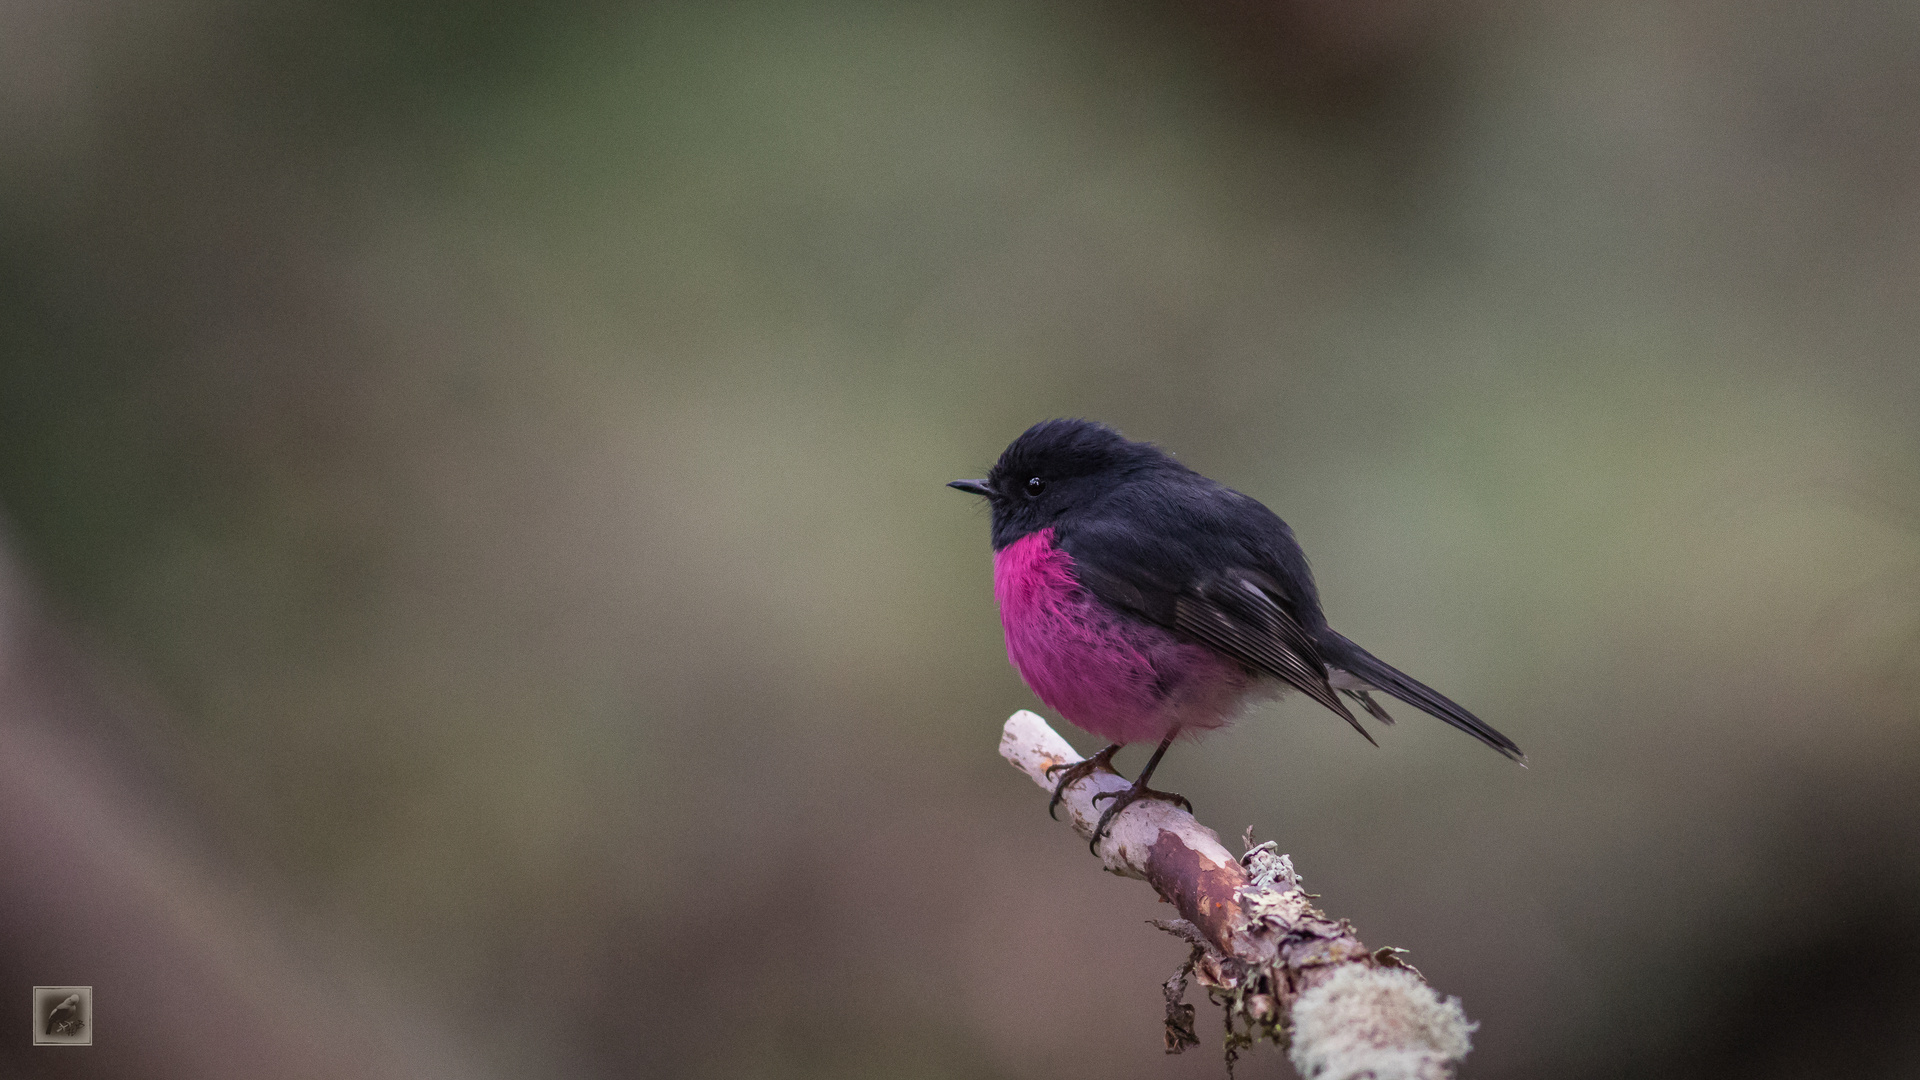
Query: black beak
977, 487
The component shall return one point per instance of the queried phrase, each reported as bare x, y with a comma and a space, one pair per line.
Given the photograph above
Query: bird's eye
1035, 486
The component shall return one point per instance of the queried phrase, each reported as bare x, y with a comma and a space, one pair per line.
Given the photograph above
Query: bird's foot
1124, 799
1076, 772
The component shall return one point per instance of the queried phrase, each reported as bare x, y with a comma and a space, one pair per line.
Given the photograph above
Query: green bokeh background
497, 448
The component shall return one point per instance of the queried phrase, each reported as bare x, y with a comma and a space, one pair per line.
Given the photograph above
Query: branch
1282, 969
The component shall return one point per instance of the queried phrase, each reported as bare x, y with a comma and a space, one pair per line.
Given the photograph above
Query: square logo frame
63, 1016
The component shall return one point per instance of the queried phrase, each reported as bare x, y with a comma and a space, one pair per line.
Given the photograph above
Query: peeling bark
1283, 970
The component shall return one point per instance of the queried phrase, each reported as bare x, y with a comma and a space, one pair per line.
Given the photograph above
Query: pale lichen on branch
1283, 971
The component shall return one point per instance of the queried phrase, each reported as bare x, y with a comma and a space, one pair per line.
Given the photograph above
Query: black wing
1197, 568
1235, 614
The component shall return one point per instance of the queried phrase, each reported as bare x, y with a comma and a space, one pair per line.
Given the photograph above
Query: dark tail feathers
1341, 653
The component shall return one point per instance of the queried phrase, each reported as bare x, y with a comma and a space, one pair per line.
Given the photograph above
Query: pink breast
1117, 677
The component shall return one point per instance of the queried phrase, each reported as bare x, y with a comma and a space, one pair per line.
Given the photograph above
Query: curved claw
1077, 772
1147, 793
1100, 830
1126, 798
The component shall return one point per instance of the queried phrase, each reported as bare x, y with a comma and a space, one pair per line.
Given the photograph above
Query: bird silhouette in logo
65, 1017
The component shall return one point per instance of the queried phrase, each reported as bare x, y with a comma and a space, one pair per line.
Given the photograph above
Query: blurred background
479, 598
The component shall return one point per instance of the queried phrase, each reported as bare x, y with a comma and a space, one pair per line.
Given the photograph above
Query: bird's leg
1076, 772
1139, 790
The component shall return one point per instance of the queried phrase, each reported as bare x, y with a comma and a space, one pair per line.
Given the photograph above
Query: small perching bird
1142, 601
65, 1018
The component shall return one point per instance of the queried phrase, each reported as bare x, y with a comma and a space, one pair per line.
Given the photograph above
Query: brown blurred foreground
102, 883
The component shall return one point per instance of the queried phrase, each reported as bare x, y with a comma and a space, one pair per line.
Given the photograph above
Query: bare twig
1281, 968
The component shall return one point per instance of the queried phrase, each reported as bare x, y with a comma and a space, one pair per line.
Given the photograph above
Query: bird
1143, 601
65, 1018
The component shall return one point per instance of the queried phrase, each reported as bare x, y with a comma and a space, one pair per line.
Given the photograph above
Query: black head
1055, 468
